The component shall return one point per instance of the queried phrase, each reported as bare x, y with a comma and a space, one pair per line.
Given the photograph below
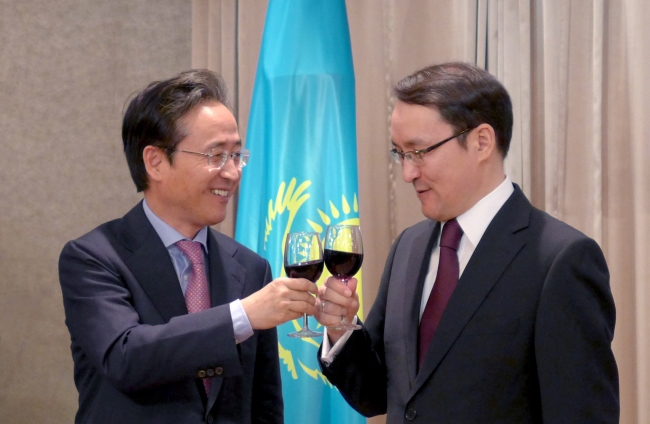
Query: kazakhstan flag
302, 173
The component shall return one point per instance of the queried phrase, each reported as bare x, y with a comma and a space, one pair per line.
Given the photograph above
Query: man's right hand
335, 300
281, 300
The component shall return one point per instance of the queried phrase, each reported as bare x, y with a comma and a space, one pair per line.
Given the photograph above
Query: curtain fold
638, 56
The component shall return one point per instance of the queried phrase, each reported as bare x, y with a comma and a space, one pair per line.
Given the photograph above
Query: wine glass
343, 258
303, 258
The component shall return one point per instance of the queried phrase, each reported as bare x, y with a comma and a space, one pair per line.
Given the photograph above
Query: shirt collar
475, 221
168, 234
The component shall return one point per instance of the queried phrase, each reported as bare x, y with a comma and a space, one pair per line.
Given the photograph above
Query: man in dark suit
490, 311
171, 321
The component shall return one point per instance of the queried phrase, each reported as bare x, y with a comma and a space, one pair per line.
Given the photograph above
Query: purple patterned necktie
446, 280
197, 295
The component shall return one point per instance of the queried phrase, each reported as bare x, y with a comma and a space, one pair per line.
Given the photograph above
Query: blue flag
302, 172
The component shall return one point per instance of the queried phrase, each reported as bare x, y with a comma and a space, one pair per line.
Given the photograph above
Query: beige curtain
578, 75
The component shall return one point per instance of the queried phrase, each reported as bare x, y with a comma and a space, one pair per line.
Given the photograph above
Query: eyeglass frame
411, 154
243, 160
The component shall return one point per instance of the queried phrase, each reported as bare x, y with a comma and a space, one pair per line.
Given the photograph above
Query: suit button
411, 414
210, 372
201, 374
218, 371
210, 419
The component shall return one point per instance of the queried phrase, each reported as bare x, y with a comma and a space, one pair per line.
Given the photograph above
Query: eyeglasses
415, 156
218, 160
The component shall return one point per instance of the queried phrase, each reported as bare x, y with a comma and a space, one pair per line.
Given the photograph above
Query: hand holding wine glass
303, 258
343, 258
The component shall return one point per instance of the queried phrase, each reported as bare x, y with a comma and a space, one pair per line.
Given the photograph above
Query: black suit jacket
526, 336
138, 353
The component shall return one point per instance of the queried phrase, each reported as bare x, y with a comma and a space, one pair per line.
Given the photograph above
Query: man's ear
155, 162
487, 141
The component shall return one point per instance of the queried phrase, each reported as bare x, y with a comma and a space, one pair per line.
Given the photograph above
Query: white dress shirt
474, 222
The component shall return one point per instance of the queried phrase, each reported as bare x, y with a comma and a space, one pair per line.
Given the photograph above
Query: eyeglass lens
219, 159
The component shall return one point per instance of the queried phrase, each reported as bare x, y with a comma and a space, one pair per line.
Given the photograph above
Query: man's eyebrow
217, 144
411, 144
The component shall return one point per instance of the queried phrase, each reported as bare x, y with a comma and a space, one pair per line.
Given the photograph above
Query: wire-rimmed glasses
415, 156
218, 160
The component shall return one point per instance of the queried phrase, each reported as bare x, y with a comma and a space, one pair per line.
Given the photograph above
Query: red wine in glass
303, 258
308, 270
343, 265
343, 258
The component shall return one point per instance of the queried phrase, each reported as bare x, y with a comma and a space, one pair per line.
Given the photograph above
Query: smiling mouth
222, 193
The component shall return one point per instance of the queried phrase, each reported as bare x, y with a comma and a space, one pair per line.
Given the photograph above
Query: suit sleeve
359, 369
574, 329
268, 406
131, 354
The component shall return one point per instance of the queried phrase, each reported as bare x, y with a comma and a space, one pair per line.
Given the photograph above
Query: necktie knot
191, 249
451, 235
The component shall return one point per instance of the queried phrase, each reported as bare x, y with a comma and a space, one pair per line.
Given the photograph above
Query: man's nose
229, 170
409, 171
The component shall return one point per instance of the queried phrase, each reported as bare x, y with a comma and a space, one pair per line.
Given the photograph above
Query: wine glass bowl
343, 258
303, 258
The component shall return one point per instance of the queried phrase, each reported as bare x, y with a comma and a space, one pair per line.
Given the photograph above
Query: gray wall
66, 69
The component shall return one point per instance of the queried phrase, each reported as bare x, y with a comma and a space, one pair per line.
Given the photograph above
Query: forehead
416, 126
209, 124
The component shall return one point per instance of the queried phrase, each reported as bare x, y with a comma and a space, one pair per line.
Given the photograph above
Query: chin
218, 220
214, 219
429, 214
433, 214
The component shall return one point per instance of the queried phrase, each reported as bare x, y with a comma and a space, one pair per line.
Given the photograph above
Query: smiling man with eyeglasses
171, 321
489, 311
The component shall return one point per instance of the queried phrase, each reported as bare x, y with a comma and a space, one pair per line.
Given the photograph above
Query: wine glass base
305, 333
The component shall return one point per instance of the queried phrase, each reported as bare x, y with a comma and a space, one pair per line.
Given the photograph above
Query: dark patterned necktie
446, 280
197, 295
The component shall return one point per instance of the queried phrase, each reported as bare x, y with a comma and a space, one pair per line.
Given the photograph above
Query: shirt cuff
328, 354
240, 322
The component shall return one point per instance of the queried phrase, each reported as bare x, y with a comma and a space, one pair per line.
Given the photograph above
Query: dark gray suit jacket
526, 336
137, 352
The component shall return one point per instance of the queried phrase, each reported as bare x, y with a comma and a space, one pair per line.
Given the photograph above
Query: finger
301, 284
335, 297
352, 284
290, 316
301, 296
321, 291
334, 309
302, 308
331, 322
338, 286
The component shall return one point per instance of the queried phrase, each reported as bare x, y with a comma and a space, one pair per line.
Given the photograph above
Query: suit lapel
499, 245
149, 260
227, 277
418, 266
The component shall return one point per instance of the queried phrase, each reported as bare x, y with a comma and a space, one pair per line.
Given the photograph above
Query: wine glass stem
344, 320
305, 323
